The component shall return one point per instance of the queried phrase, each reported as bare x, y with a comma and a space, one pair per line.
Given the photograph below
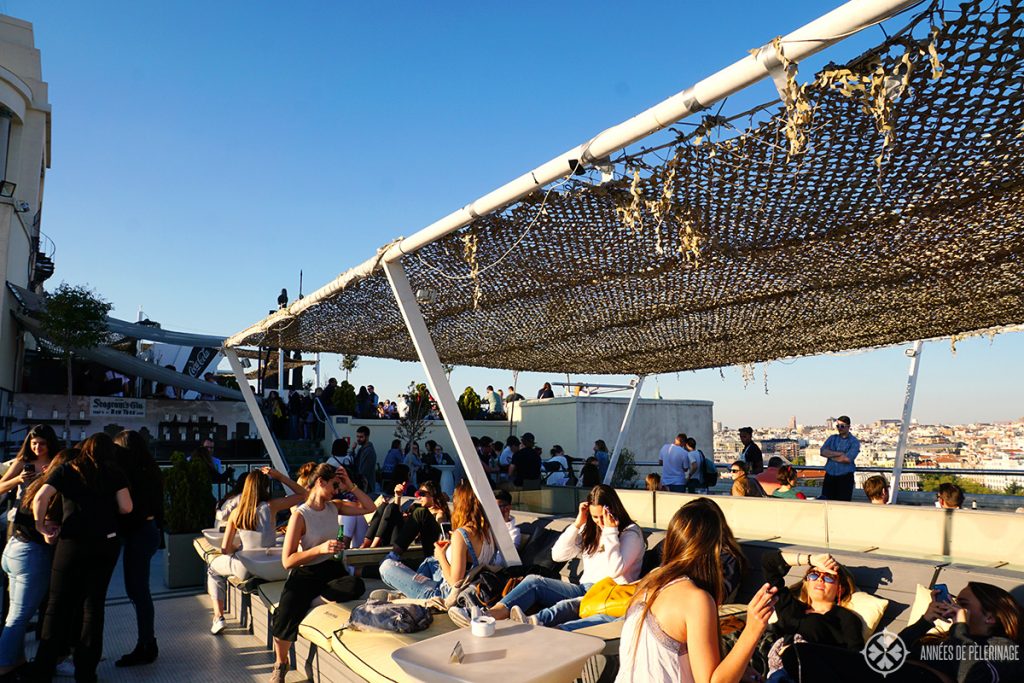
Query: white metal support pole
280, 372
254, 411
624, 430
445, 397
908, 409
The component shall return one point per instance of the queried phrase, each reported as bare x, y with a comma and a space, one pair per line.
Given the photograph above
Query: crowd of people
76, 511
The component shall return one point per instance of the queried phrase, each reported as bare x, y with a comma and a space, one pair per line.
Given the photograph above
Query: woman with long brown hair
94, 492
671, 628
39, 446
983, 644
140, 533
310, 544
253, 522
471, 545
26, 561
609, 544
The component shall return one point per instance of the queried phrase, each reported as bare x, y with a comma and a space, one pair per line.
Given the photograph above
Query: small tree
414, 424
625, 470
344, 398
348, 363
74, 318
469, 404
1014, 489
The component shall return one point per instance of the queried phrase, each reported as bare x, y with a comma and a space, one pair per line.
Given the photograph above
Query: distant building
24, 157
786, 448
792, 423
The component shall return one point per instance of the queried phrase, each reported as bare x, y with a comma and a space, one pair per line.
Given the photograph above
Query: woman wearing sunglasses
817, 614
983, 643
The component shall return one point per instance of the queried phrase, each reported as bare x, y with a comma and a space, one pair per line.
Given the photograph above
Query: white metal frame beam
254, 411
442, 392
908, 409
627, 420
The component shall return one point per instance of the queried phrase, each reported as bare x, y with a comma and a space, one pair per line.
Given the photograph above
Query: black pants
329, 579
139, 547
837, 487
396, 529
386, 522
78, 581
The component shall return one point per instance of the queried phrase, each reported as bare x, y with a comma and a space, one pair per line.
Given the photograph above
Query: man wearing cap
840, 450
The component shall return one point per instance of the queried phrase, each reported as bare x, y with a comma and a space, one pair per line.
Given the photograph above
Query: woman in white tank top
253, 522
671, 628
310, 545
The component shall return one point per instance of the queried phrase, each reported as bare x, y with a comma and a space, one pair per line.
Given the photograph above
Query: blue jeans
27, 566
426, 582
560, 600
139, 547
589, 621
676, 488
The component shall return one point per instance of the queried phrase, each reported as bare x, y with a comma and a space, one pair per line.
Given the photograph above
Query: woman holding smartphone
38, 448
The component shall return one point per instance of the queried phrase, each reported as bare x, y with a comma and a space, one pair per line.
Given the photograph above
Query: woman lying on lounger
609, 544
985, 644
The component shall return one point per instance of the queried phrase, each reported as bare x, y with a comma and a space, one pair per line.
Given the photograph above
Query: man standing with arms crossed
840, 450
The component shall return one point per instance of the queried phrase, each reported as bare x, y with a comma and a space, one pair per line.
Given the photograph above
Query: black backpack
709, 473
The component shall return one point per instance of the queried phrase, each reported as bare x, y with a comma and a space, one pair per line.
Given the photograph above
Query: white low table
516, 652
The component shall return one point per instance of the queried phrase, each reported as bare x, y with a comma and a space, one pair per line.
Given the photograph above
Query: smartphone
29, 468
943, 593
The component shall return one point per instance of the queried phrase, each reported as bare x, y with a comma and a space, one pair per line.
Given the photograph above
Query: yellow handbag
607, 597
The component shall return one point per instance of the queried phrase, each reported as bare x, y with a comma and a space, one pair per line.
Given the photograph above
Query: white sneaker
65, 669
218, 626
459, 616
516, 614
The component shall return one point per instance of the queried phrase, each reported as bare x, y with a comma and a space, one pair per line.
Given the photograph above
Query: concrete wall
25, 95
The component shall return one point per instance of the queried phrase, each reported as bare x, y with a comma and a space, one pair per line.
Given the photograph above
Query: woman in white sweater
609, 544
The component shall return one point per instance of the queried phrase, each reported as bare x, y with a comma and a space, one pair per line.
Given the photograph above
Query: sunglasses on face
840, 425
735, 471
814, 576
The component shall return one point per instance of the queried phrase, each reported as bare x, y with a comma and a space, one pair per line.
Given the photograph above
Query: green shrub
189, 504
344, 399
469, 404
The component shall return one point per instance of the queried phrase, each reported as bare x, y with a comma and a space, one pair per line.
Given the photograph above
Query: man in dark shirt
751, 451
525, 468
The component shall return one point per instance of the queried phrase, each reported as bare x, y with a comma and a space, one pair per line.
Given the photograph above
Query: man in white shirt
674, 464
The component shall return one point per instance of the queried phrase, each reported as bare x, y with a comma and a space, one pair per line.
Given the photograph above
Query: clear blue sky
204, 152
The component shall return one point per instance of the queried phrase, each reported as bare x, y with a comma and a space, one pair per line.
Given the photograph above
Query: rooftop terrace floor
187, 650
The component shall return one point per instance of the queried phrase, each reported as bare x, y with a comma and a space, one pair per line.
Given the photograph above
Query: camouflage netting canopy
880, 203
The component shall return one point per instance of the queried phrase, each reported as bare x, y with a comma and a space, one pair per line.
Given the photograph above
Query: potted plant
188, 509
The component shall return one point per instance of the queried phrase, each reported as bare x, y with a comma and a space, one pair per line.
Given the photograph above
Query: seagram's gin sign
109, 406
